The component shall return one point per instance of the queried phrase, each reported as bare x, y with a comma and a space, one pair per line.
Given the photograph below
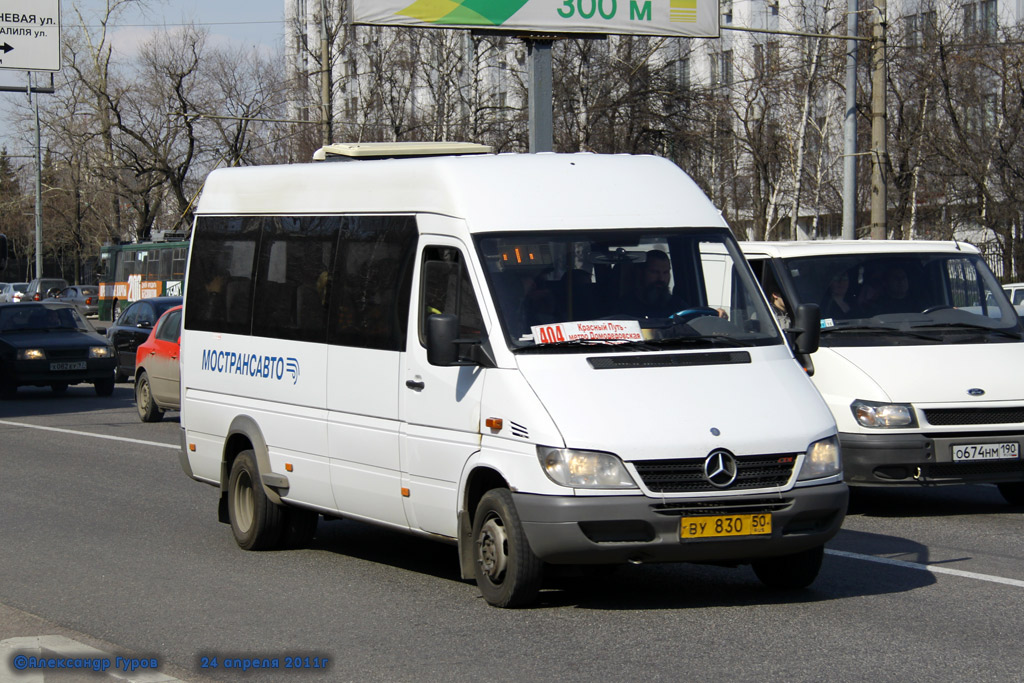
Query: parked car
157, 386
44, 288
86, 298
132, 328
1015, 292
51, 344
11, 292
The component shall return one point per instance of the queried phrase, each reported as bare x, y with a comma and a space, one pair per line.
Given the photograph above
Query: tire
104, 387
256, 522
59, 387
148, 410
790, 572
506, 570
1013, 493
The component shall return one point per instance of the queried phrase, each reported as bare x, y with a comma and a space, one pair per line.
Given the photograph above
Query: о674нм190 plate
986, 451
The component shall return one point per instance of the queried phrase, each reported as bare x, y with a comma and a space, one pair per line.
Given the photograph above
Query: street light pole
39, 185
879, 153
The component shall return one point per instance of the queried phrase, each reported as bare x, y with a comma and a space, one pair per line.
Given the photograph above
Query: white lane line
928, 568
96, 436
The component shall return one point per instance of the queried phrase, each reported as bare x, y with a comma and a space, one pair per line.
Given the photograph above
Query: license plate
971, 452
72, 365
726, 525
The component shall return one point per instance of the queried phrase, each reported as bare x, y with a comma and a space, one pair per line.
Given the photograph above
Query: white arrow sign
30, 35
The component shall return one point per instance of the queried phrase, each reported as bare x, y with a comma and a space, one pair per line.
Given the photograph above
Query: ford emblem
976, 392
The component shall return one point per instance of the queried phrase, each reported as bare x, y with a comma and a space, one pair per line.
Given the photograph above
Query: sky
240, 22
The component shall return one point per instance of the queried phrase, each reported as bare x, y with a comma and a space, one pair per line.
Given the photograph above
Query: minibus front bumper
617, 529
926, 459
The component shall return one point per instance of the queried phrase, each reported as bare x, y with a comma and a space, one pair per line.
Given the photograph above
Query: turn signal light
494, 423
287, 467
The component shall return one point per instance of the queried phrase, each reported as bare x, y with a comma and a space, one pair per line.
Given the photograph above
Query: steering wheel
932, 309
691, 313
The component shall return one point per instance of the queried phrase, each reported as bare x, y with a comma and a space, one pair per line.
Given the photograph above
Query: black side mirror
442, 331
806, 334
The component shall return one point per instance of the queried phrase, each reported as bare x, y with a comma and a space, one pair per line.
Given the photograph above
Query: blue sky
242, 22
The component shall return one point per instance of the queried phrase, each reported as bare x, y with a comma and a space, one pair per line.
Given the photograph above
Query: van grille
687, 475
941, 417
740, 506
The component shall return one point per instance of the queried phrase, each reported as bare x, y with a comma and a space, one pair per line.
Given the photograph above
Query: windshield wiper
969, 326
709, 340
877, 329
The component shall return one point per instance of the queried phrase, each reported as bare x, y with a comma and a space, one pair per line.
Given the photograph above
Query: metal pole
539, 94
325, 76
879, 153
39, 186
850, 129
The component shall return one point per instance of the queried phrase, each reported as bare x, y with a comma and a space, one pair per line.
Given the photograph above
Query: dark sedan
50, 344
132, 328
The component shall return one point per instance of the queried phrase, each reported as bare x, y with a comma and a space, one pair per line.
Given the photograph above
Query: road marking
96, 436
928, 568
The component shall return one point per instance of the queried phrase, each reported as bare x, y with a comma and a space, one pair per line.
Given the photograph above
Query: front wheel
506, 570
256, 521
144, 403
790, 571
104, 387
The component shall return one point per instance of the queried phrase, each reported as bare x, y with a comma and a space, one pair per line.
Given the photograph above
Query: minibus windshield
903, 298
647, 289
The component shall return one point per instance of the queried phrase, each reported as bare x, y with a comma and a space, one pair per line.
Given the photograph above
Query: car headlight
584, 469
31, 354
822, 459
100, 352
883, 415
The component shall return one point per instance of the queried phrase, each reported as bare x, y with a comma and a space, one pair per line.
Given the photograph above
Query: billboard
680, 18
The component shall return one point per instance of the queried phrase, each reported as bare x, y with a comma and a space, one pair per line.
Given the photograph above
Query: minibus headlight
584, 469
822, 459
31, 354
883, 415
101, 352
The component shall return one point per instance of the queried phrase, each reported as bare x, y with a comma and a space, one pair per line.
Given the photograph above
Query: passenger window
372, 282
293, 278
130, 316
170, 329
446, 288
146, 315
220, 284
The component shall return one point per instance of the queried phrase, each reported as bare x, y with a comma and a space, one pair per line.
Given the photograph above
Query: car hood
60, 339
922, 374
764, 405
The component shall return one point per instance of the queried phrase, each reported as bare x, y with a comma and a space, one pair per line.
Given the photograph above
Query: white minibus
918, 361
542, 359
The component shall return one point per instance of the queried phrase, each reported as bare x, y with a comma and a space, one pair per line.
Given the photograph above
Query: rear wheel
148, 410
506, 570
256, 521
1013, 493
790, 571
104, 387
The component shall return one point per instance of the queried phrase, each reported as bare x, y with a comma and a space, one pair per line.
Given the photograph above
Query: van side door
441, 405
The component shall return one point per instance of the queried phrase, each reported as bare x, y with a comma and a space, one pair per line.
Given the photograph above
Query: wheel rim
243, 501
142, 396
492, 549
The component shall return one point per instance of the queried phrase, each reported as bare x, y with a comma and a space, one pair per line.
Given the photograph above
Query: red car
157, 379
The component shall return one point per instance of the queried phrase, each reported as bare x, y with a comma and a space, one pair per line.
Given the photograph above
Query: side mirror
806, 334
442, 331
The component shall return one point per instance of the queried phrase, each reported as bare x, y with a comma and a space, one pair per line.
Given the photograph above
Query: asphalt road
107, 544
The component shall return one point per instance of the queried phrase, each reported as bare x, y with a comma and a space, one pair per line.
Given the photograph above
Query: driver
651, 296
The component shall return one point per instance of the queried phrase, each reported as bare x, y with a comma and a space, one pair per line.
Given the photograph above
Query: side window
372, 281
293, 277
170, 328
220, 291
146, 315
130, 316
446, 288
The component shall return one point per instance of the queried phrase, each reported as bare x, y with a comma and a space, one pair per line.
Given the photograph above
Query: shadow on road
935, 501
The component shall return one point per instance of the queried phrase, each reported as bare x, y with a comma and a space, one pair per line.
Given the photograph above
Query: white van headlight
584, 469
822, 459
883, 415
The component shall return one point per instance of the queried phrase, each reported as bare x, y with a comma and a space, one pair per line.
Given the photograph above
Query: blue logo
976, 392
250, 364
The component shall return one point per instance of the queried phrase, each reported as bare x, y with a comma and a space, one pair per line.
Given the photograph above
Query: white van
920, 350
452, 346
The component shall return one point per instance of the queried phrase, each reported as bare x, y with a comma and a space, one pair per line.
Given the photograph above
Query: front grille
67, 354
687, 475
941, 417
742, 506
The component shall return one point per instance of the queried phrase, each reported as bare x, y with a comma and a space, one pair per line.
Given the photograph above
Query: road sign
30, 35
693, 18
